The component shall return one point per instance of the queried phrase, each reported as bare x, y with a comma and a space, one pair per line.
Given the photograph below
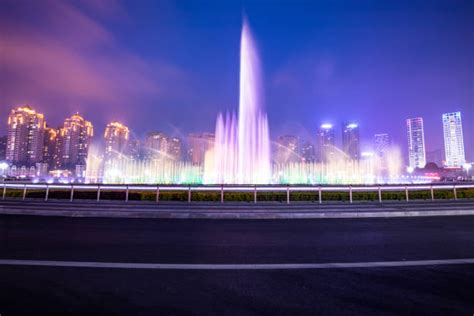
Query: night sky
173, 65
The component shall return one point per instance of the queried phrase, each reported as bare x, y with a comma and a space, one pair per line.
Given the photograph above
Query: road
430, 288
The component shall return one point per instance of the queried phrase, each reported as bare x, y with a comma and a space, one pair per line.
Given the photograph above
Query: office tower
382, 143
453, 139
198, 145
135, 150
416, 143
75, 137
308, 152
287, 149
325, 143
51, 149
156, 144
351, 140
3, 147
175, 148
116, 140
25, 136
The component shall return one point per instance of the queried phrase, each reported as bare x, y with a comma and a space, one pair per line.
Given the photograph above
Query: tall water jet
241, 151
253, 138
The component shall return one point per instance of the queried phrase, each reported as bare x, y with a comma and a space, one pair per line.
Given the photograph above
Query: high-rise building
3, 147
175, 148
453, 139
116, 140
287, 149
25, 136
198, 145
416, 143
51, 149
307, 152
76, 135
156, 144
351, 140
325, 143
382, 143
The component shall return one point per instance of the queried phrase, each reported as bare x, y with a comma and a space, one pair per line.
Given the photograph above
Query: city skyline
334, 93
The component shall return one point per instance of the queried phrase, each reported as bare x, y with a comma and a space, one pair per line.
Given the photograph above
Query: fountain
241, 153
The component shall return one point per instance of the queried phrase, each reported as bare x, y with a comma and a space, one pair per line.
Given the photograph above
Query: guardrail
350, 189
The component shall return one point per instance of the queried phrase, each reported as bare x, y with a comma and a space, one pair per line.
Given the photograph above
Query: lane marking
264, 266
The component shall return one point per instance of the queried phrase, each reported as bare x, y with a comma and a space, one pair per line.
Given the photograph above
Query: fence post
222, 193
47, 193
455, 193
157, 193
24, 192
4, 191
432, 193
288, 194
126, 195
98, 193
380, 194
406, 192
320, 195
255, 194
350, 194
189, 194
71, 198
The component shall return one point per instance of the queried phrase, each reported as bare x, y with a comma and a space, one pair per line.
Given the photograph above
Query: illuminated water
241, 151
242, 145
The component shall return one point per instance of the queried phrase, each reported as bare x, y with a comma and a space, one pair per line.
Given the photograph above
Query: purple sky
172, 66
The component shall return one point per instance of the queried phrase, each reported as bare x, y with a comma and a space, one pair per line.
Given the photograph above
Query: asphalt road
428, 289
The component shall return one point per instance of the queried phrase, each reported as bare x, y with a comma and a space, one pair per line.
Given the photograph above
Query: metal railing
255, 189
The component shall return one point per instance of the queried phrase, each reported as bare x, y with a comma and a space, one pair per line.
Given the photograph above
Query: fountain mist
241, 151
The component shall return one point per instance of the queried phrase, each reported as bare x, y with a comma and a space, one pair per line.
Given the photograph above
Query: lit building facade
325, 143
382, 143
351, 140
287, 149
116, 138
156, 144
308, 153
198, 145
51, 149
416, 143
175, 148
25, 137
3, 147
453, 139
75, 137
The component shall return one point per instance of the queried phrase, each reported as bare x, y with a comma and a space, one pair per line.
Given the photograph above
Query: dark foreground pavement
429, 290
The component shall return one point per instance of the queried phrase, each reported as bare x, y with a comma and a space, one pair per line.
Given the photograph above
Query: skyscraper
198, 145
116, 140
287, 149
416, 143
381, 144
3, 147
325, 142
453, 139
51, 149
175, 148
75, 138
351, 140
25, 136
156, 144
307, 152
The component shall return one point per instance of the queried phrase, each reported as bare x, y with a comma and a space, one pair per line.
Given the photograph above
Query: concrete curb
163, 214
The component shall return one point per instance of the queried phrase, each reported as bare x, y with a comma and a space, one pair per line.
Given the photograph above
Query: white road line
270, 266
